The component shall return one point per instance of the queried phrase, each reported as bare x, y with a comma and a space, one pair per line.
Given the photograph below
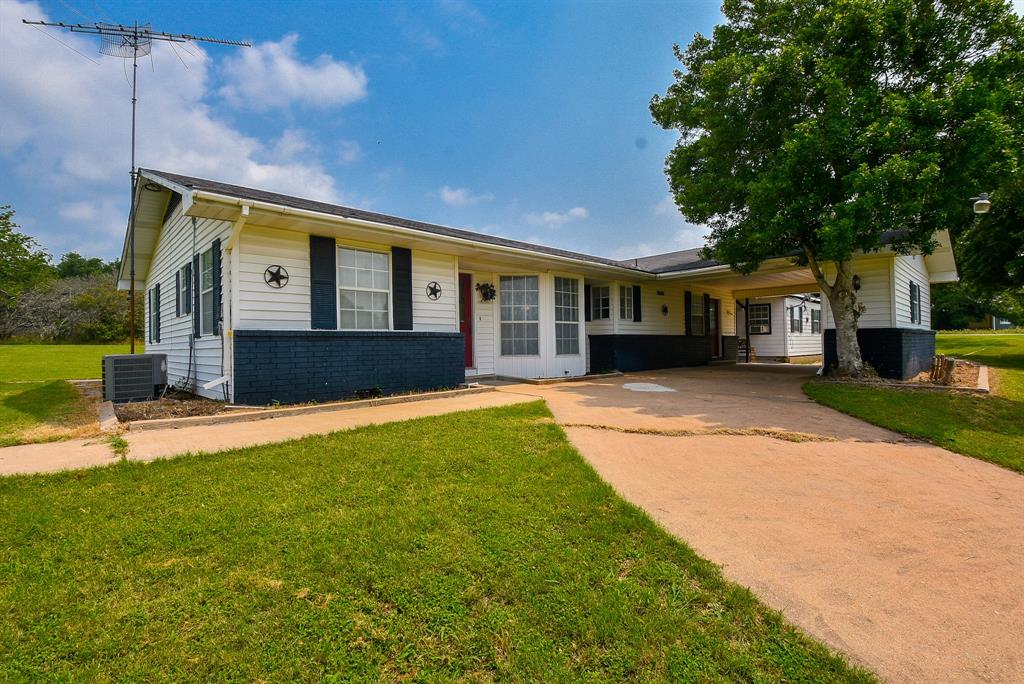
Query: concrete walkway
904, 556
154, 444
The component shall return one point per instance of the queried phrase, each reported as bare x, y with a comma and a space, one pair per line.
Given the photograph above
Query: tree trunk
842, 299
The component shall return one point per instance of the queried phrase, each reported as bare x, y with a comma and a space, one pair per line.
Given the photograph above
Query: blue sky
523, 119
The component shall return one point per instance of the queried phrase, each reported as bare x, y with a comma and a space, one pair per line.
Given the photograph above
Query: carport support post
746, 324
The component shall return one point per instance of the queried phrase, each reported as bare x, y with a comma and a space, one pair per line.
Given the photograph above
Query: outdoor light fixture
856, 283
152, 187
982, 203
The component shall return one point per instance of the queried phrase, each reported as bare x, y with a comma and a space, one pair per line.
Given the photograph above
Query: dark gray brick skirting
647, 352
290, 366
894, 352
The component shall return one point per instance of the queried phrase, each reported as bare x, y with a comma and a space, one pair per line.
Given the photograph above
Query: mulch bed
176, 405
965, 376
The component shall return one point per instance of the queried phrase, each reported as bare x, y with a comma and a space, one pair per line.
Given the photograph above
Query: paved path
908, 558
152, 444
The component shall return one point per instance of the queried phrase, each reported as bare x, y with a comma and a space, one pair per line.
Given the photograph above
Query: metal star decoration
433, 290
275, 276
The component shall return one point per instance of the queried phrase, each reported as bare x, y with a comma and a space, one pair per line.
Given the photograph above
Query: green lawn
473, 546
41, 412
990, 428
35, 403
55, 361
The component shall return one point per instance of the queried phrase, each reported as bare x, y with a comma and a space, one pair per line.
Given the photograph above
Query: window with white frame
567, 316
363, 290
697, 316
520, 315
915, 303
207, 323
600, 302
759, 318
796, 319
185, 290
816, 321
625, 302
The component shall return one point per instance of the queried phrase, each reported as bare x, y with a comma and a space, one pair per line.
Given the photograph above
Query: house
786, 328
991, 322
258, 297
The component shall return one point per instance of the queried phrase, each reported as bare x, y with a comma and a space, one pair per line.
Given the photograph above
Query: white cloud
272, 75
461, 9
79, 211
66, 121
681, 233
461, 197
349, 151
554, 218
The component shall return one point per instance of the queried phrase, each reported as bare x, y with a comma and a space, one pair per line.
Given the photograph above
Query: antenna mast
126, 42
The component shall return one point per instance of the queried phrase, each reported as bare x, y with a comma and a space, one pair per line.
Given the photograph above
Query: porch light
152, 187
856, 283
982, 203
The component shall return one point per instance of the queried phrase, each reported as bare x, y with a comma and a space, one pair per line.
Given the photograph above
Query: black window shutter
323, 280
196, 294
687, 307
707, 313
156, 313
586, 302
401, 287
217, 305
188, 288
177, 293
636, 304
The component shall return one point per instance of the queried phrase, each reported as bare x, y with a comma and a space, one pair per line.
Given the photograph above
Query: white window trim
768, 308
337, 274
537, 322
579, 317
625, 302
203, 291
594, 299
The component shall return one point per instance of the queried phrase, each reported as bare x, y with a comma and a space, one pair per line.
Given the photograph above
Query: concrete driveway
904, 556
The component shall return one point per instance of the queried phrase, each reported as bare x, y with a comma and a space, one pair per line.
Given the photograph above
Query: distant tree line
74, 300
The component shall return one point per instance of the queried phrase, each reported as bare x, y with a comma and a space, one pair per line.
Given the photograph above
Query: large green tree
826, 128
23, 264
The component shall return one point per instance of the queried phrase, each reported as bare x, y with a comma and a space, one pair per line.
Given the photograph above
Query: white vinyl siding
363, 290
173, 250
567, 316
441, 314
875, 293
520, 315
259, 305
907, 270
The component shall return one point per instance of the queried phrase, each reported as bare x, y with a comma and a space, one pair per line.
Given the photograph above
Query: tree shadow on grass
54, 402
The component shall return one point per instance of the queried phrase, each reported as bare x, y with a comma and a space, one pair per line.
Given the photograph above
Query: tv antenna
131, 42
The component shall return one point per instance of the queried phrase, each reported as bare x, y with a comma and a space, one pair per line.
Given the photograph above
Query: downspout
227, 356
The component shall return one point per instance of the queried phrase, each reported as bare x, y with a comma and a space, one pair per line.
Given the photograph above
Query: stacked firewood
943, 369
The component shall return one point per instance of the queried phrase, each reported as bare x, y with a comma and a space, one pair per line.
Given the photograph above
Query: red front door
466, 314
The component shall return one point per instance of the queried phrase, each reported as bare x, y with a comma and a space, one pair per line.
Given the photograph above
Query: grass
24, 362
989, 428
473, 546
42, 412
